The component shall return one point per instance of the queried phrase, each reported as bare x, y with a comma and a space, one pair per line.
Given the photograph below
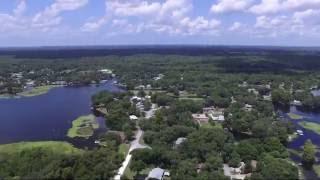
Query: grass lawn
128, 173
54, 146
124, 149
193, 99
83, 126
36, 91
6, 96
210, 126
295, 116
147, 91
315, 127
317, 169
186, 94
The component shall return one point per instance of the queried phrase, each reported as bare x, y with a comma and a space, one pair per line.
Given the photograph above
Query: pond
49, 116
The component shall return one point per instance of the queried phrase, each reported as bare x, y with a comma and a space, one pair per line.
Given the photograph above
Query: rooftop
156, 173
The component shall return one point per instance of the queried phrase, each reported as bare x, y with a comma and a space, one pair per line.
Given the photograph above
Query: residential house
158, 174
244, 84
267, 97
296, 103
179, 141
160, 76
200, 118
216, 114
133, 117
254, 91
149, 86
105, 71
248, 107
235, 173
136, 99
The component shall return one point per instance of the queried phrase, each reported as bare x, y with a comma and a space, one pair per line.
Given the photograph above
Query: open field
83, 126
315, 127
54, 146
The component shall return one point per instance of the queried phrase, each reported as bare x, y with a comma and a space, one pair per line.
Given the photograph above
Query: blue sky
116, 22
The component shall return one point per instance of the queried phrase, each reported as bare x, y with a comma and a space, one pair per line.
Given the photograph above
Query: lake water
309, 117
48, 116
297, 143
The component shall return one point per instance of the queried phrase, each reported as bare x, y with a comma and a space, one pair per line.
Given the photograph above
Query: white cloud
224, 6
276, 6
199, 25
50, 16
237, 26
20, 9
169, 16
92, 26
132, 8
308, 17
14, 22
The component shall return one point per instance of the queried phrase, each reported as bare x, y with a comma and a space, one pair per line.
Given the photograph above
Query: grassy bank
54, 146
83, 126
7, 96
36, 91
315, 127
316, 169
295, 116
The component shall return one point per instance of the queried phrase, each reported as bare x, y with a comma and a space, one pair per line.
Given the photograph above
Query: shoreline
36, 91
63, 147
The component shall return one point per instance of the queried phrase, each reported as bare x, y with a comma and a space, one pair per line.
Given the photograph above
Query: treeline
40, 163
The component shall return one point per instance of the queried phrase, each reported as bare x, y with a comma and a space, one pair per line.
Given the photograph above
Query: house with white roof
158, 174
133, 117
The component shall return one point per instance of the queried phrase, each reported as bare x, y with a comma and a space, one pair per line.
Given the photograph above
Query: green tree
309, 151
235, 159
137, 166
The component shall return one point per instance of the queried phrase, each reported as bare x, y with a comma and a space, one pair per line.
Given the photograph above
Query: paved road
135, 144
151, 112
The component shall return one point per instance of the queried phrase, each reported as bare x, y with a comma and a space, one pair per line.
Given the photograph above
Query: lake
48, 116
297, 143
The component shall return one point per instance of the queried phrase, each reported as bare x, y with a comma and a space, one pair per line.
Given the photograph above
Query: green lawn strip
123, 149
128, 173
54, 146
211, 126
135, 92
36, 91
6, 96
83, 126
316, 169
315, 127
185, 94
295, 116
193, 99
